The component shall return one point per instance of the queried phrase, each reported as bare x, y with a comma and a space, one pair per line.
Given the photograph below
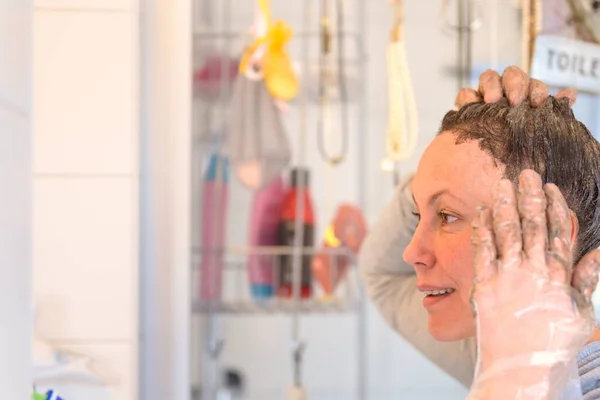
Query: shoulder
588, 362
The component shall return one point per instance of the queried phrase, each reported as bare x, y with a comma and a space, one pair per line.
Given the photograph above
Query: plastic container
215, 198
264, 224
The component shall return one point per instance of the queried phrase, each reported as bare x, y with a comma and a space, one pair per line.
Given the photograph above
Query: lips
434, 294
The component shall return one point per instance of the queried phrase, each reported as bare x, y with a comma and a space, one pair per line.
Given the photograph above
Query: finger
490, 86
585, 275
466, 96
532, 210
507, 226
515, 84
351, 230
569, 93
538, 92
484, 246
558, 217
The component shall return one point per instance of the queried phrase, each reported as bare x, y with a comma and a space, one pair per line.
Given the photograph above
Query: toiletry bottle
264, 225
214, 213
38, 396
287, 235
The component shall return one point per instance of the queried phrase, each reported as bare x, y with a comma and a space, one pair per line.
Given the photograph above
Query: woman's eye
447, 218
416, 214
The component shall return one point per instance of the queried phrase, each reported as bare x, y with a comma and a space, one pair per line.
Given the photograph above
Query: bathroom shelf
246, 251
211, 35
217, 34
236, 298
335, 306
231, 45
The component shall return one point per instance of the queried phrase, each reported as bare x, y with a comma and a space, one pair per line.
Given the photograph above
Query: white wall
86, 105
15, 204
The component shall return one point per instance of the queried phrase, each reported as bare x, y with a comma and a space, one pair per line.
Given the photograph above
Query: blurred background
135, 156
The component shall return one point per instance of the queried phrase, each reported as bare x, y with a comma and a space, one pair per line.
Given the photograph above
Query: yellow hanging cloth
280, 79
402, 131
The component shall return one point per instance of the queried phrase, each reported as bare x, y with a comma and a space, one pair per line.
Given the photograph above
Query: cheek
458, 261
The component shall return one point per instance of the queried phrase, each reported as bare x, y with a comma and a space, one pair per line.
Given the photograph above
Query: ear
574, 229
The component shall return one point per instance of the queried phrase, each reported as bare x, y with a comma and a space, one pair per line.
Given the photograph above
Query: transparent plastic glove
513, 87
531, 322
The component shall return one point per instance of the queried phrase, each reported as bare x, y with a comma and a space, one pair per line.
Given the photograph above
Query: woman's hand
350, 227
531, 322
513, 87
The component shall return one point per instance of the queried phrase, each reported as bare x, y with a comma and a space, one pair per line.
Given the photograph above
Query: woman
460, 171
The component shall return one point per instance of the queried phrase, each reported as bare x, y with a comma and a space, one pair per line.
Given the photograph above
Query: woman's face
450, 183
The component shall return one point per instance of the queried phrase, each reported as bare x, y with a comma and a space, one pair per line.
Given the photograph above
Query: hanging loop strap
402, 131
325, 119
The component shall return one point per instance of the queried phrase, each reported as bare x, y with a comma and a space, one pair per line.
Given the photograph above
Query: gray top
588, 361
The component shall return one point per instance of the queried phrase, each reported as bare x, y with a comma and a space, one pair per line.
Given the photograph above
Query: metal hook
215, 347
398, 13
474, 24
298, 348
469, 19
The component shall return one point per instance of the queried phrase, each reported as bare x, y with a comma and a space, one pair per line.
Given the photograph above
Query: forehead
464, 169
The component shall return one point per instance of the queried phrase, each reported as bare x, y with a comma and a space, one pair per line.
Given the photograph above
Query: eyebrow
435, 197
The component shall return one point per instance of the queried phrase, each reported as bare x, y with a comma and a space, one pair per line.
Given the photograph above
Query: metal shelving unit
236, 299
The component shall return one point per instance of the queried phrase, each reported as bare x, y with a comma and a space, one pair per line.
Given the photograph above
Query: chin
451, 331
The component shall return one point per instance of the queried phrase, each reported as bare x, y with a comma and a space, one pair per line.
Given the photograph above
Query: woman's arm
390, 284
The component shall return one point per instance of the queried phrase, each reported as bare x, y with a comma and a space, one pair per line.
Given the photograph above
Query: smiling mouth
438, 292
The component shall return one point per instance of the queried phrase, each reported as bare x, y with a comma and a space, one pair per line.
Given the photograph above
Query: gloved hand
531, 322
514, 87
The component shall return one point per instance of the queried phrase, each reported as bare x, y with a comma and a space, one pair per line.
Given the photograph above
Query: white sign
565, 62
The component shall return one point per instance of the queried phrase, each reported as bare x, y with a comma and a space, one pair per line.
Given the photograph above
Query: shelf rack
238, 300
235, 300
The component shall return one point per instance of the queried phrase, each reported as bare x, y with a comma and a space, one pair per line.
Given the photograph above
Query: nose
419, 252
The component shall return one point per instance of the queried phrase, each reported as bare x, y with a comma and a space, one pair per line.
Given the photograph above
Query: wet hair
548, 140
